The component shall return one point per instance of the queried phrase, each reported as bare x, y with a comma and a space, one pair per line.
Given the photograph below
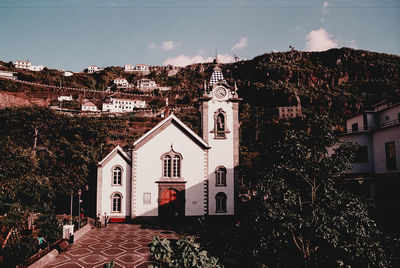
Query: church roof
172, 119
216, 76
117, 150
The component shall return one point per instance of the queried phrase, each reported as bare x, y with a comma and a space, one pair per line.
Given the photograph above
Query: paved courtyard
126, 244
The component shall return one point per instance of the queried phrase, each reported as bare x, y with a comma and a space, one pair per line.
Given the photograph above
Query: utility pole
79, 208
70, 220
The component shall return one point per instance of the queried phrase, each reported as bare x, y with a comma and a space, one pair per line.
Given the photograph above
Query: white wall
379, 139
358, 119
149, 171
389, 115
221, 153
106, 189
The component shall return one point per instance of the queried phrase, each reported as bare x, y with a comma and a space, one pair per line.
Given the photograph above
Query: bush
181, 253
50, 227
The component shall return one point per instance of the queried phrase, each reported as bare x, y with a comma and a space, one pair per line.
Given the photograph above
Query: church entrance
171, 201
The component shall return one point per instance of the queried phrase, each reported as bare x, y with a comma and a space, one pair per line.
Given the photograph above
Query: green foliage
61, 148
301, 216
49, 227
18, 251
181, 253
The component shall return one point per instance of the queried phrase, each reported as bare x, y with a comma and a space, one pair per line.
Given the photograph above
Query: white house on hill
171, 171
121, 82
89, 107
118, 105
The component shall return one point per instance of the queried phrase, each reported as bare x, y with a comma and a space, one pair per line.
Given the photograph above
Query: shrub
180, 253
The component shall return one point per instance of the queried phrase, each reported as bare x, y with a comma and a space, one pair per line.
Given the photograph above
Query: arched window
176, 166
171, 162
116, 202
220, 176
167, 166
220, 202
220, 128
117, 175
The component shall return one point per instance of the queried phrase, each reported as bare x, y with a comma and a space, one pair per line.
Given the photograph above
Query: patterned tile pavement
126, 244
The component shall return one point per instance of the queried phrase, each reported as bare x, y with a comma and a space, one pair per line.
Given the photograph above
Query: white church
171, 171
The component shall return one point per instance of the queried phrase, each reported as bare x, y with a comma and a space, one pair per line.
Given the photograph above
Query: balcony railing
386, 124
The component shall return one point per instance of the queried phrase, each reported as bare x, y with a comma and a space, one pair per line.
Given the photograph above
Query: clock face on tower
220, 92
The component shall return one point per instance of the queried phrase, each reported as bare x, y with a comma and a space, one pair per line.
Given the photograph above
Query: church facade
172, 171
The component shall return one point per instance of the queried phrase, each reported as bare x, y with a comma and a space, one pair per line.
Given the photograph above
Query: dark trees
301, 217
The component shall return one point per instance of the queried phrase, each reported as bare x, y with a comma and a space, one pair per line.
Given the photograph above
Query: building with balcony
376, 169
146, 84
21, 64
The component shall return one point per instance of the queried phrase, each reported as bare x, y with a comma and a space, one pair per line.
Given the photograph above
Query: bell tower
219, 107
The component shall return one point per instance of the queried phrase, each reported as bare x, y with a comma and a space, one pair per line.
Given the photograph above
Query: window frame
390, 151
119, 202
113, 175
218, 133
220, 181
220, 202
171, 169
354, 127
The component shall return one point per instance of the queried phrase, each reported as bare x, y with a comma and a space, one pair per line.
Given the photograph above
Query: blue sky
72, 34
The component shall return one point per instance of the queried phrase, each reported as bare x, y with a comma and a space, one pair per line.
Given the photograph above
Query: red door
172, 203
168, 196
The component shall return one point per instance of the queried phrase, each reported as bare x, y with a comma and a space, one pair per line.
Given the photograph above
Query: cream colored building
377, 132
118, 105
172, 171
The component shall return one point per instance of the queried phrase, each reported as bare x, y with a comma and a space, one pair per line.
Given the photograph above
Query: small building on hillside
121, 82
36, 68
289, 112
68, 73
146, 84
129, 68
118, 105
21, 64
65, 98
141, 68
89, 107
92, 69
8, 75
27, 65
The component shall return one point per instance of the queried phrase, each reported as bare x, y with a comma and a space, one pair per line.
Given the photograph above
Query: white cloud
353, 44
320, 40
183, 60
325, 7
169, 45
241, 44
152, 45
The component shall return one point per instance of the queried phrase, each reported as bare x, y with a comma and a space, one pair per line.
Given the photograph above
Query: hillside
342, 80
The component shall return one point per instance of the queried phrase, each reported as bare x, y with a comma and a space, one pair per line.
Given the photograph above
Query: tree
302, 217
180, 253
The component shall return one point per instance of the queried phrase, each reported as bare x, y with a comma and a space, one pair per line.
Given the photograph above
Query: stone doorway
171, 202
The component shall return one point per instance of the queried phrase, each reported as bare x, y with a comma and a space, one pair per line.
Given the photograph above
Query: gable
116, 151
172, 120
